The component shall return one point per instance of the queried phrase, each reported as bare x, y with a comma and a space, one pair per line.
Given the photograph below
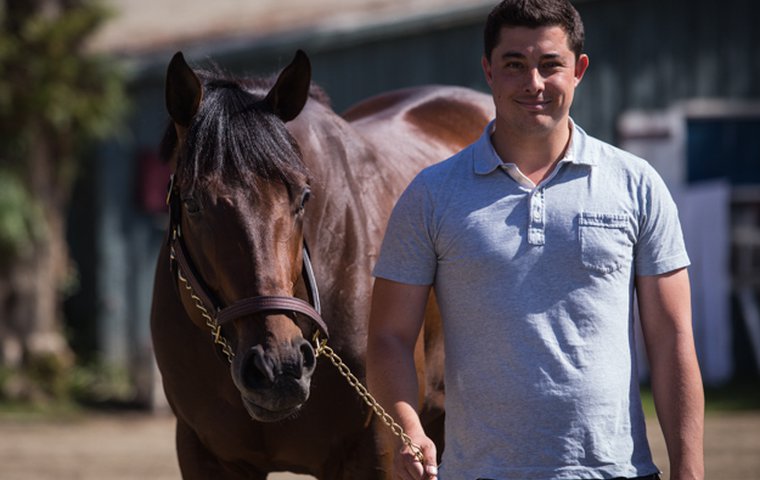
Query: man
534, 238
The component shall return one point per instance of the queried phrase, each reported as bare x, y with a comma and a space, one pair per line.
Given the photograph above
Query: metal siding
648, 54
645, 54
354, 72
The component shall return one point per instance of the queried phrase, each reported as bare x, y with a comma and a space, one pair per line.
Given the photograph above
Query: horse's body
357, 166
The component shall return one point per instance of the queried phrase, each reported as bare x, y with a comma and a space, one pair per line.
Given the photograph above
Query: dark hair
534, 14
235, 137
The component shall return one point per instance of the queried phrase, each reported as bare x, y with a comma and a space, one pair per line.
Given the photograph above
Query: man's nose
534, 81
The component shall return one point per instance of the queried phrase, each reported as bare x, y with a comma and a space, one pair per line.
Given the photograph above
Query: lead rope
216, 329
321, 345
324, 350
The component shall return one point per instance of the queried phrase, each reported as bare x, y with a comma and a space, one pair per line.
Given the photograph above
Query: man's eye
551, 65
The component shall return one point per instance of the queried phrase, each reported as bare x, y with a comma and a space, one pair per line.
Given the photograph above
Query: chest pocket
605, 242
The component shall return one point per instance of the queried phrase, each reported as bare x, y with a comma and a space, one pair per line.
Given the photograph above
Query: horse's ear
183, 91
289, 94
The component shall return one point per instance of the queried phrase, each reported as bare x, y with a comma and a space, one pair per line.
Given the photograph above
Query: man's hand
407, 466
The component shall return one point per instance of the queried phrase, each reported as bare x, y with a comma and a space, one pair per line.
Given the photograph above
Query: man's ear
487, 71
581, 65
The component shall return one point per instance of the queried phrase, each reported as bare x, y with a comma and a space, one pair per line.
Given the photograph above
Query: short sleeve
407, 254
660, 247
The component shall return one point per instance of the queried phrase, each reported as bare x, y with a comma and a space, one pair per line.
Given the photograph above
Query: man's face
533, 74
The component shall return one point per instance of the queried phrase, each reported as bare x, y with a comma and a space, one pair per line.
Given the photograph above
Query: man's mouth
533, 104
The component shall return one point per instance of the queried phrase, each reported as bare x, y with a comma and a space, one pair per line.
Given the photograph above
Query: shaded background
676, 81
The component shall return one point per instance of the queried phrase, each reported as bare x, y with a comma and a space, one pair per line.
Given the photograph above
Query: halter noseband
247, 306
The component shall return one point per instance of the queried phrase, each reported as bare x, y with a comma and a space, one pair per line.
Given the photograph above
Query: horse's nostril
261, 370
308, 357
302, 362
257, 369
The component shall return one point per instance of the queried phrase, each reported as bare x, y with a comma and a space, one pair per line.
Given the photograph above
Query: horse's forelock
235, 140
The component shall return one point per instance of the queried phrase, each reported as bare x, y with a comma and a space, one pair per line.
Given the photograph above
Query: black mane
235, 138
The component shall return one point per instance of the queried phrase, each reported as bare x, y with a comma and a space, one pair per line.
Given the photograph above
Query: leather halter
247, 306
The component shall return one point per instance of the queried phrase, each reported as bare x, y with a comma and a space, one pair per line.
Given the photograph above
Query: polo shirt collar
486, 160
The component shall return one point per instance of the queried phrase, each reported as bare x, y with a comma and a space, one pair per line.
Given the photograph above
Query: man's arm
395, 321
665, 311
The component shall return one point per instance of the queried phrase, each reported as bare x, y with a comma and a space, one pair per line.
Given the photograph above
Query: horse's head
237, 200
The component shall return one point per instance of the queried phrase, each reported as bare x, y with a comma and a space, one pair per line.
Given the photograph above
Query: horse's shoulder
451, 110
433, 109
374, 105
414, 98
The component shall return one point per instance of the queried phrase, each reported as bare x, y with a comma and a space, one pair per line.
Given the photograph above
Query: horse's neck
344, 215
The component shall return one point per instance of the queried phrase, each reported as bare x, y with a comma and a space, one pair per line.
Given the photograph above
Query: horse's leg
196, 462
371, 458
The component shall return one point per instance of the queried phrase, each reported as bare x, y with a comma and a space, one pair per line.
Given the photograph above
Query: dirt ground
136, 446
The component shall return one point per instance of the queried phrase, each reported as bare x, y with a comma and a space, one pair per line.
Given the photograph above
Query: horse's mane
234, 137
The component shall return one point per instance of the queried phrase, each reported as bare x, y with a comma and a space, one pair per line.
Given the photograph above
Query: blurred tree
56, 97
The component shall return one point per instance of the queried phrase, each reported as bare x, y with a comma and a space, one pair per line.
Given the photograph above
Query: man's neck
534, 155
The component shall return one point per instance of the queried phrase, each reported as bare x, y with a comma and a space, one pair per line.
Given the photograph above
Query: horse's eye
192, 205
304, 198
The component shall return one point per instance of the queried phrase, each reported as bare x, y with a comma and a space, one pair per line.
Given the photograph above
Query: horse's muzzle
274, 383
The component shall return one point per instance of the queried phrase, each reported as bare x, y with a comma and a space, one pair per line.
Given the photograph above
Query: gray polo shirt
535, 286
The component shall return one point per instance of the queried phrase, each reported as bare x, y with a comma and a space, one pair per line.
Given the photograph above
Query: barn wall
645, 54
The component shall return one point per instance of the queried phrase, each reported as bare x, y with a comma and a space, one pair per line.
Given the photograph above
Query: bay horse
236, 312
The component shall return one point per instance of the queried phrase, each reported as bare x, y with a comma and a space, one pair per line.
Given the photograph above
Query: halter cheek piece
221, 315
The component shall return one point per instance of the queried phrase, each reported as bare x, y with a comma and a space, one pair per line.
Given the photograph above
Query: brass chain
322, 349
398, 430
216, 329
